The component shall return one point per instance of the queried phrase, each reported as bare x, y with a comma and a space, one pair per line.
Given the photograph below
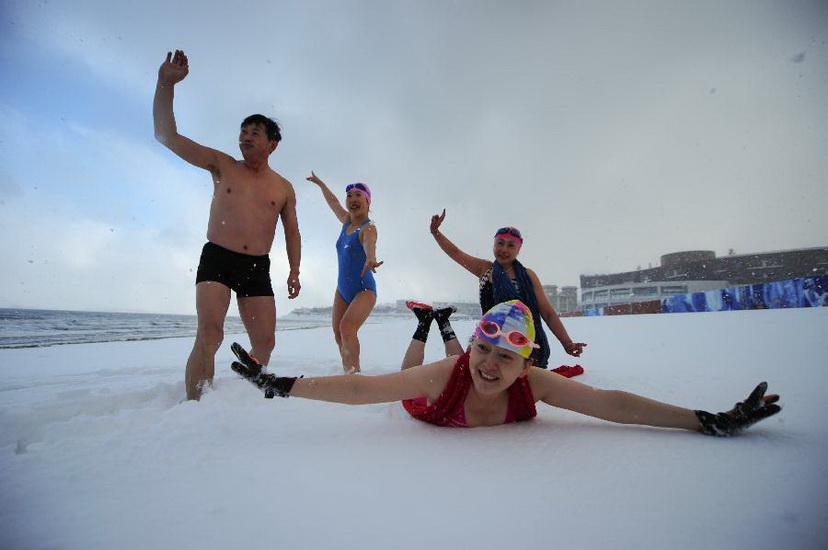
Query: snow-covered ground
98, 451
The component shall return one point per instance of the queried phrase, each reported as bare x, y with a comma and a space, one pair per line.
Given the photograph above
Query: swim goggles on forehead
359, 187
514, 337
513, 231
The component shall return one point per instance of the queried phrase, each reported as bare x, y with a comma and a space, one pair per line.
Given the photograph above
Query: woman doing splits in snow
495, 383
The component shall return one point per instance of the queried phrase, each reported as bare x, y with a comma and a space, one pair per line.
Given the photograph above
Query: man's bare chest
248, 192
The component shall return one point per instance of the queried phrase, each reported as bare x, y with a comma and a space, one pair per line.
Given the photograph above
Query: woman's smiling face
356, 201
505, 250
494, 369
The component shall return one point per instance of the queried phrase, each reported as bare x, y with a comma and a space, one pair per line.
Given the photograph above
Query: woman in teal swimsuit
356, 290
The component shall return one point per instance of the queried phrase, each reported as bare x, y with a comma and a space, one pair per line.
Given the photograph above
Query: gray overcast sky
609, 132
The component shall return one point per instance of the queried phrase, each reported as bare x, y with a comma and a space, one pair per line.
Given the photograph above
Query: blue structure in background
807, 292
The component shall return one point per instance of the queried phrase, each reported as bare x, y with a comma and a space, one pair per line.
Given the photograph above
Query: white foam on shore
97, 451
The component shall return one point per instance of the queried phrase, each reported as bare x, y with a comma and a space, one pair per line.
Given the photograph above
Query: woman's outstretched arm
360, 389
628, 408
355, 389
611, 405
333, 202
476, 266
553, 320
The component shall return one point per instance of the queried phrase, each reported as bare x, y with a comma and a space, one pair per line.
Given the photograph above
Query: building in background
563, 301
699, 271
680, 274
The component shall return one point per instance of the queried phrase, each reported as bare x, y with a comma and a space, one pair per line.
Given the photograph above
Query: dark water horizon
29, 328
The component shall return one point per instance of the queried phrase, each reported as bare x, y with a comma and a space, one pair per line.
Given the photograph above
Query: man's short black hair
274, 132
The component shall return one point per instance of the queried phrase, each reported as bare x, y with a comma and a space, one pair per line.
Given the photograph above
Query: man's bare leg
258, 313
212, 301
358, 311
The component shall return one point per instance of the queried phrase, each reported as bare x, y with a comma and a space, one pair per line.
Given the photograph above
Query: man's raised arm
172, 71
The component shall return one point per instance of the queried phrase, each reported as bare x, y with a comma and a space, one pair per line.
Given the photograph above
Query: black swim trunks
244, 274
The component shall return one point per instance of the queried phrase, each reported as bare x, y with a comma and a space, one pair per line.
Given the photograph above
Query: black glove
245, 358
746, 413
250, 369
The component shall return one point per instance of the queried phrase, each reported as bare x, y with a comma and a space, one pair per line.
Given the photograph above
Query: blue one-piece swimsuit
352, 258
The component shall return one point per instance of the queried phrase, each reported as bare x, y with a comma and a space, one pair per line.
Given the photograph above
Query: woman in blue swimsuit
356, 290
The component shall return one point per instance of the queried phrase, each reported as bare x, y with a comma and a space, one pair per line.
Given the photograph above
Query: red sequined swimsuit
449, 411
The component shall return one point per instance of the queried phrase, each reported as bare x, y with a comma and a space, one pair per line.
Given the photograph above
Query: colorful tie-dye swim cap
509, 325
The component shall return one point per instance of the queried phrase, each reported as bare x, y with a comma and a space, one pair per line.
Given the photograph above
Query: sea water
22, 328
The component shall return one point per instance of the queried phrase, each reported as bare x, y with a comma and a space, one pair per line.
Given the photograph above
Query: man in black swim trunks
248, 200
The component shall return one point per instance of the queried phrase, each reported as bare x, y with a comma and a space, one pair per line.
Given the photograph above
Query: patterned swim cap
509, 325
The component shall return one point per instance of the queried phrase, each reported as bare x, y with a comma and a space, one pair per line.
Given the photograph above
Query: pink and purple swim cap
362, 188
510, 233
